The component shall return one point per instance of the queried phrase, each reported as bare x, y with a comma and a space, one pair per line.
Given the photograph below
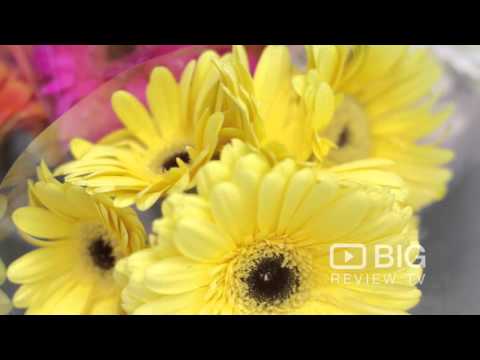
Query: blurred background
39, 84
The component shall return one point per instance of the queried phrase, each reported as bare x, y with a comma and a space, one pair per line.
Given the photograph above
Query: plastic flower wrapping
214, 179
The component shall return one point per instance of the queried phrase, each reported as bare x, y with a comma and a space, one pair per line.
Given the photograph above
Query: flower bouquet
231, 184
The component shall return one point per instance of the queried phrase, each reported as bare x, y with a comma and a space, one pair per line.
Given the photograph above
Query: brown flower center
350, 131
271, 281
101, 253
343, 138
171, 161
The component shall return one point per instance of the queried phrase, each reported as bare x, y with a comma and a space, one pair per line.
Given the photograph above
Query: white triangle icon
348, 256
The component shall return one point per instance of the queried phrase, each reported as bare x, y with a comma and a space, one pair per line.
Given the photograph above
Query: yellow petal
46, 294
3, 205
116, 137
324, 59
231, 212
5, 305
272, 76
173, 304
79, 147
2, 272
323, 107
185, 205
37, 265
185, 92
319, 197
124, 200
424, 174
147, 201
270, 198
41, 223
212, 173
134, 116
380, 59
212, 131
107, 306
75, 301
56, 199
201, 241
383, 222
84, 204
247, 176
295, 194
339, 219
164, 100
24, 295
176, 275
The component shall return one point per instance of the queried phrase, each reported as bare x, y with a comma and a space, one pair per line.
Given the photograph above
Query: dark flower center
216, 156
350, 130
271, 280
344, 138
60, 178
102, 254
171, 162
115, 52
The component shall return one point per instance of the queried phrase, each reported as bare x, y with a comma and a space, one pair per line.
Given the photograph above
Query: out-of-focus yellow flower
80, 238
160, 149
3, 209
3, 205
257, 238
5, 305
265, 110
387, 109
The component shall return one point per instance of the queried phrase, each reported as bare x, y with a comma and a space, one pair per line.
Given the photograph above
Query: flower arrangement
268, 176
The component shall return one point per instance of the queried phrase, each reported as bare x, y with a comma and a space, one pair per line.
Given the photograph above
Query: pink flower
19, 106
68, 73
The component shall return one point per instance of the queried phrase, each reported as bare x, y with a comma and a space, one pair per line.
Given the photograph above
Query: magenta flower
68, 73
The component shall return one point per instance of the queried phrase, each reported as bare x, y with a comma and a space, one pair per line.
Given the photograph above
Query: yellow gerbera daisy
80, 238
160, 149
5, 305
257, 238
386, 109
266, 111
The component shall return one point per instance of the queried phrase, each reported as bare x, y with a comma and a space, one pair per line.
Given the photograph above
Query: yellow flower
386, 110
160, 149
80, 238
3, 210
5, 305
3, 205
265, 110
257, 237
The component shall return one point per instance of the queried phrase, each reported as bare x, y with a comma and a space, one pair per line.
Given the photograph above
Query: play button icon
348, 256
